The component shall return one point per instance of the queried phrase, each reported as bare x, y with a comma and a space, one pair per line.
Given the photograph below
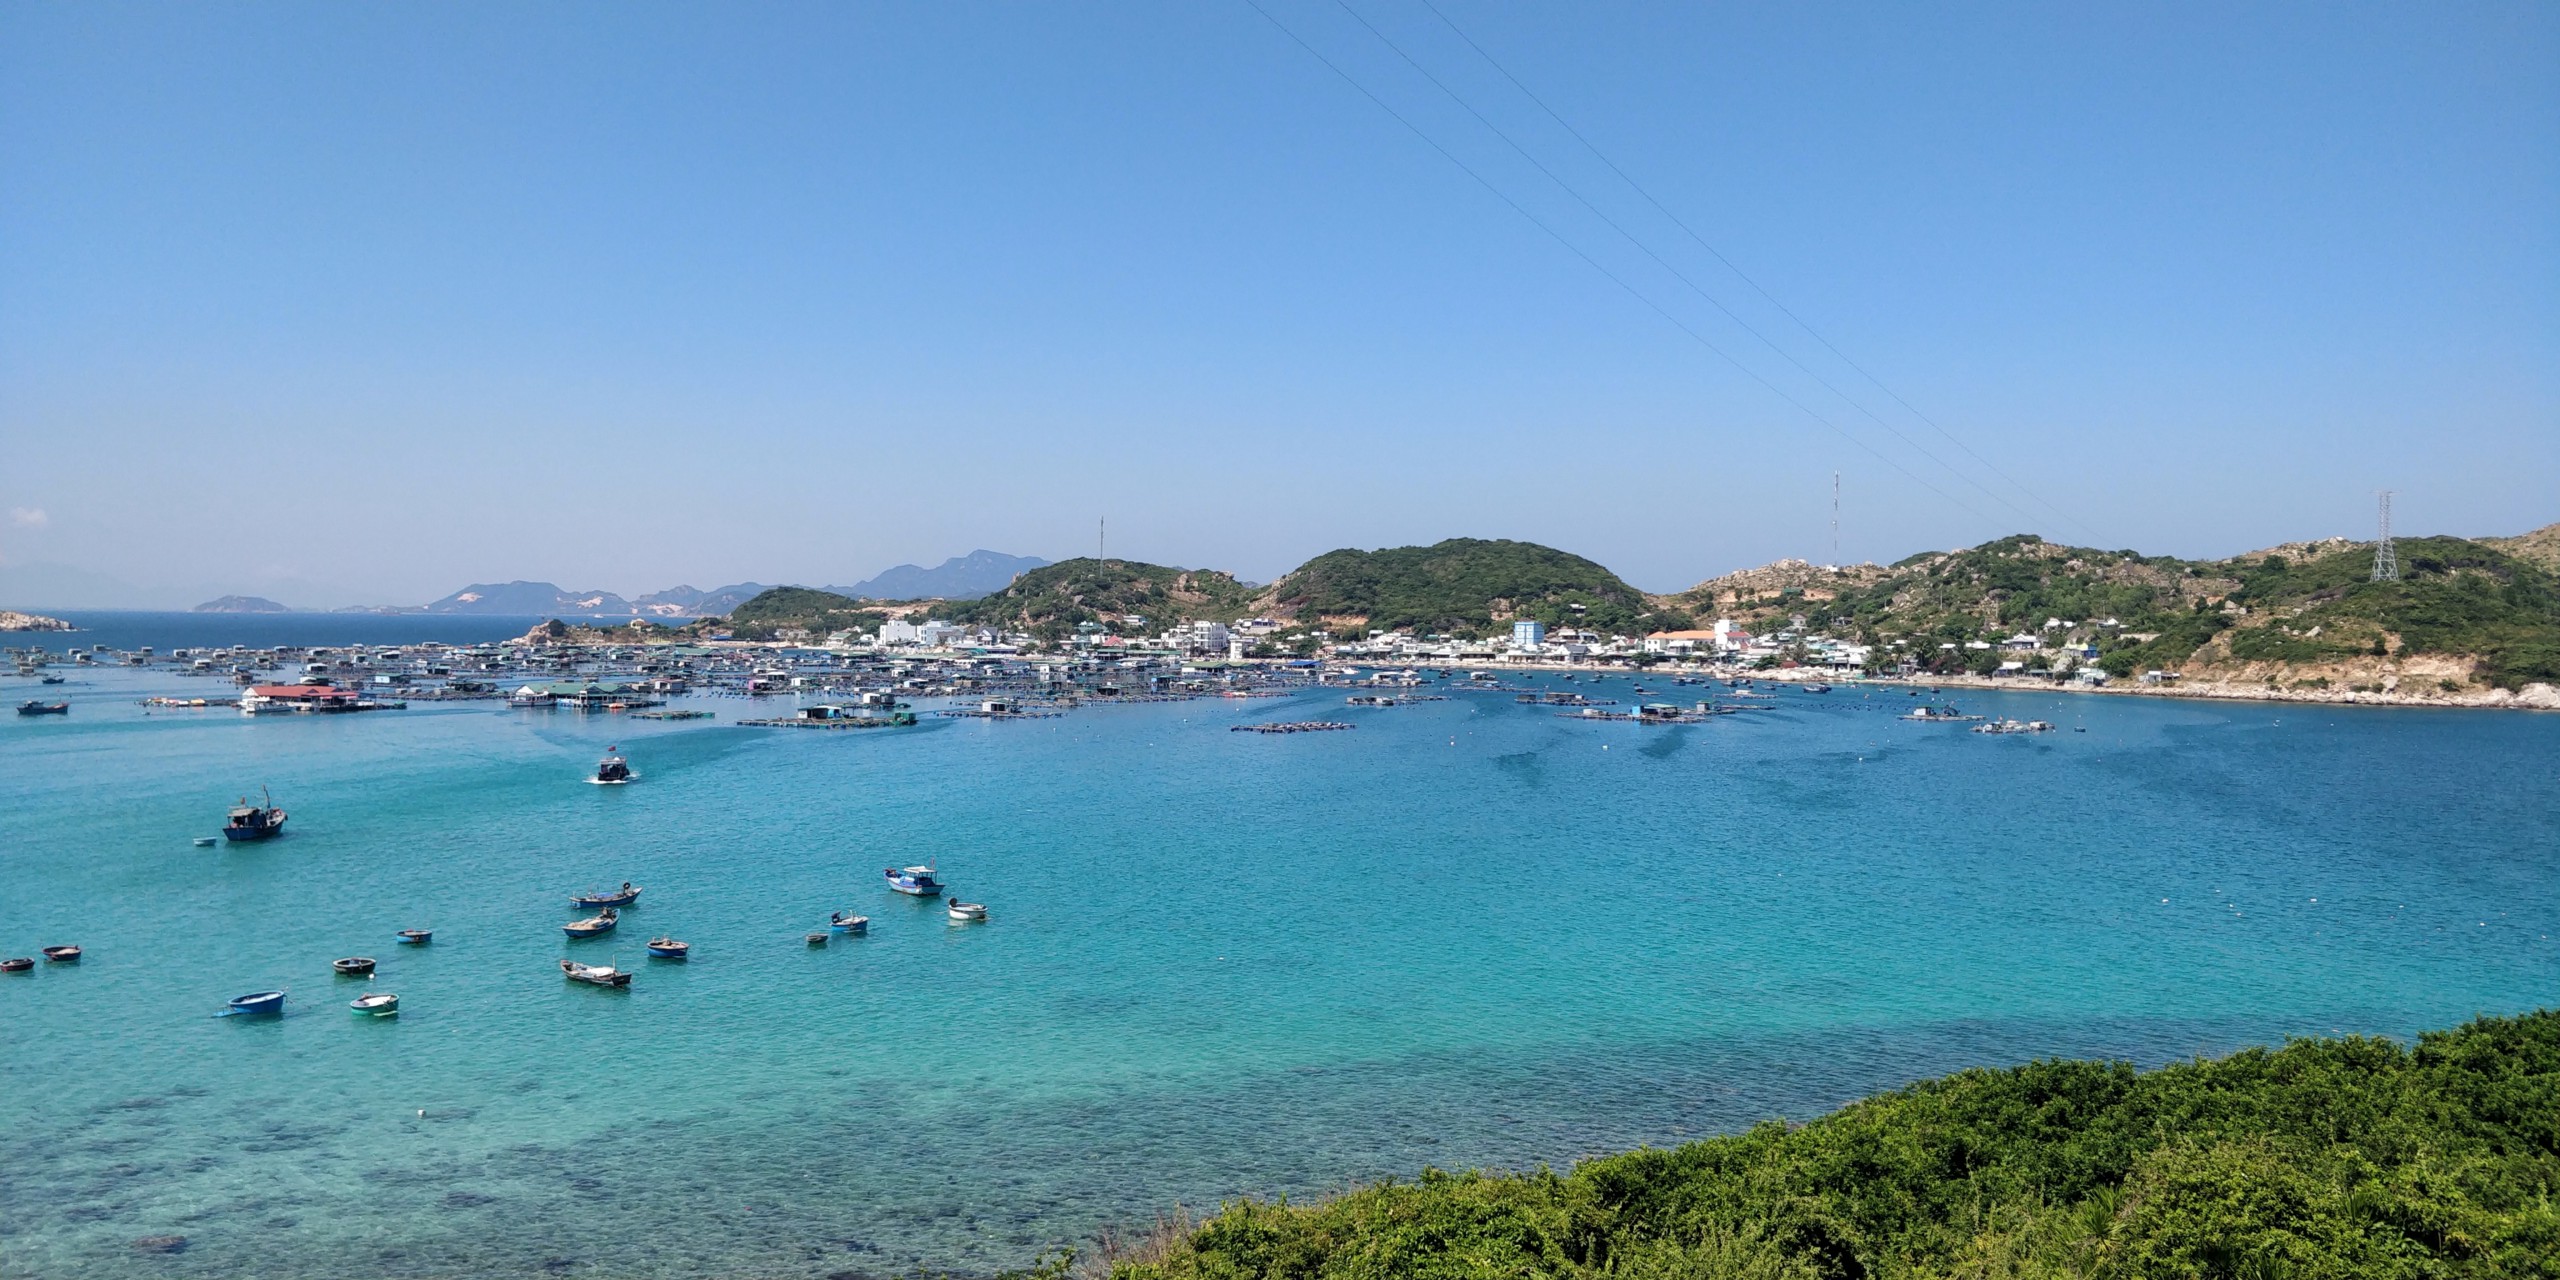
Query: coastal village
2303, 622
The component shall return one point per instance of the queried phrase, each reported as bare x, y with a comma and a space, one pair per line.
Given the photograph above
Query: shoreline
2534, 697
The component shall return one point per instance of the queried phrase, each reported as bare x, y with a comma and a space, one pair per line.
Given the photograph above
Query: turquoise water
1468, 933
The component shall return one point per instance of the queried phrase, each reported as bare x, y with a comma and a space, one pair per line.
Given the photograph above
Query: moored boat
254, 821
594, 975
62, 955
669, 948
417, 937
34, 707
613, 770
379, 1004
842, 923
968, 912
626, 895
918, 881
257, 1003
601, 922
353, 966
204, 842
818, 939
17, 964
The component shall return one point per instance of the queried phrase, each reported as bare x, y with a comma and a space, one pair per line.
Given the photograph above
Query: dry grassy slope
2542, 546
1749, 595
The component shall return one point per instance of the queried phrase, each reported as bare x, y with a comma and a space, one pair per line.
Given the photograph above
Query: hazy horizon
356, 306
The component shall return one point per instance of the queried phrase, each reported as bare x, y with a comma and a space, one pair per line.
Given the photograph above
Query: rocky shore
14, 621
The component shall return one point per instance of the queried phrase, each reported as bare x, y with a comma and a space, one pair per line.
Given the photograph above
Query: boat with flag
254, 821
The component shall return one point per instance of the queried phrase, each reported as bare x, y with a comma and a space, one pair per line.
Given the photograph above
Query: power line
1676, 273
1745, 277
1611, 276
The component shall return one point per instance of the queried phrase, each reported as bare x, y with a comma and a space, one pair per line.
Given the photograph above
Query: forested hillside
1466, 587
1049, 601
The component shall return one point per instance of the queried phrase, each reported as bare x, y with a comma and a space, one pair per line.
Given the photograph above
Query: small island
241, 604
14, 621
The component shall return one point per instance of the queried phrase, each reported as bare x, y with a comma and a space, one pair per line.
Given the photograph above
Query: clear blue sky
362, 302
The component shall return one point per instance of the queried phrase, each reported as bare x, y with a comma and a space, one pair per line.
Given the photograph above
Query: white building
1208, 637
900, 631
941, 635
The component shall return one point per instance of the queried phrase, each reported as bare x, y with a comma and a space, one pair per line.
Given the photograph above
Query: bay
1467, 933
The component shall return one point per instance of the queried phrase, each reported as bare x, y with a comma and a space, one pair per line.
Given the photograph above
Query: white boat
918, 881
380, 1004
968, 912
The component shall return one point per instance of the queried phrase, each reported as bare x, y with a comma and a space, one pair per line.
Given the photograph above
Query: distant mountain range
958, 578
524, 599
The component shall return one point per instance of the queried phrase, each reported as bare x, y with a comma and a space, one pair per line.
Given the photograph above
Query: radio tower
1835, 517
2386, 562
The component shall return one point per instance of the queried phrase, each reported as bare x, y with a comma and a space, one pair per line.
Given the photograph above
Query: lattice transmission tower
2386, 562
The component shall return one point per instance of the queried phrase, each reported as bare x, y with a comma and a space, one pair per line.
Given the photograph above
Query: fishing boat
204, 842
17, 964
613, 770
600, 923
35, 707
258, 1003
62, 955
669, 948
353, 966
254, 821
379, 1004
1817, 688
842, 923
1938, 715
918, 881
50, 680
968, 912
595, 975
818, 939
417, 937
626, 895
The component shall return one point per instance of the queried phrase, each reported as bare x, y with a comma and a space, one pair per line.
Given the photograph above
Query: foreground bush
2327, 1158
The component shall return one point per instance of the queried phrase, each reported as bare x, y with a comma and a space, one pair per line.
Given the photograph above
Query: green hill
817, 612
1466, 587
2463, 612
2353, 1159
1049, 601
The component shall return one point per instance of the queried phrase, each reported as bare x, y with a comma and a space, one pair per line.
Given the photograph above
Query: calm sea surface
1469, 933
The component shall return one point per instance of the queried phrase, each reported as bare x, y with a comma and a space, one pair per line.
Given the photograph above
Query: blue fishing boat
254, 821
842, 923
595, 925
626, 895
918, 881
670, 948
417, 937
260, 1003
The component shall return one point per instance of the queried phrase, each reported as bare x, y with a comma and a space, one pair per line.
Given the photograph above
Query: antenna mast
1835, 518
2386, 561
1099, 525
